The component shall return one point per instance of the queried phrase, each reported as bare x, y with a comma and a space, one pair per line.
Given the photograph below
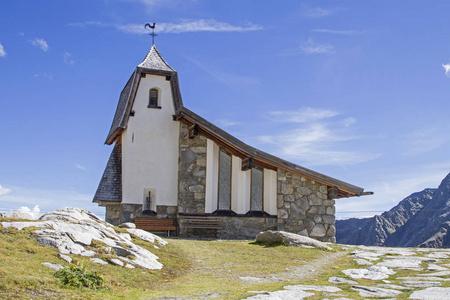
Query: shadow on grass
269, 245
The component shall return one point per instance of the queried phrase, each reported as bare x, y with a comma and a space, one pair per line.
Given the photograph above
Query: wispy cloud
2, 51
311, 47
425, 141
40, 43
4, 191
68, 58
43, 75
224, 77
307, 114
317, 144
317, 138
80, 167
317, 12
447, 69
341, 32
224, 123
200, 25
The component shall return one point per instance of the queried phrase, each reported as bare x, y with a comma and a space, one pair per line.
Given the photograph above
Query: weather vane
153, 31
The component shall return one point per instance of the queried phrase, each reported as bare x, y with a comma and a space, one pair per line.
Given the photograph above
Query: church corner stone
304, 207
191, 172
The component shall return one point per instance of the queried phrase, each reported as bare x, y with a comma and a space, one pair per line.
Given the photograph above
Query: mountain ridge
420, 220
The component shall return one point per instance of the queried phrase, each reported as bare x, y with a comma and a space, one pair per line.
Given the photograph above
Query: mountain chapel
169, 163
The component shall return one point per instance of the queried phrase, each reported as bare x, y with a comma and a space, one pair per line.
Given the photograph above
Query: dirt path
314, 268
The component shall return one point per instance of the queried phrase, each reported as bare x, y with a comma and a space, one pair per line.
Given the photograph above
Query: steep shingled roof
154, 61
110, 187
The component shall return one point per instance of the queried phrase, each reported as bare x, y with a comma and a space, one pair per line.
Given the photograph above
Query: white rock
432, 293
421, 284
363, 262
129, 266
147, 236
437, 255
98, 261
128, 225
373, 273
366, 291
335, 279
253, 279
402, 263
116, 261
317, 288
282, 295
393, 286
56, 267
434, 267
291, 239
70, 229
65, 257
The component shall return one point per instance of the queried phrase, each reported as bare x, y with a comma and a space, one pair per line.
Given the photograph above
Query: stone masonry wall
117, 214
304, 207
191, 172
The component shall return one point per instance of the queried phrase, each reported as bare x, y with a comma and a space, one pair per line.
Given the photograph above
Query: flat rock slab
254, 279
394, 287
65, 257
146, 236
434, 267
98, 261
421, 284
401, 263
432, 293
367, 255
282, 295
437, 255
317, 288
338, 280
431, 278
441, 273
363, 262
291, 239
56, 267
366, 291
373, 273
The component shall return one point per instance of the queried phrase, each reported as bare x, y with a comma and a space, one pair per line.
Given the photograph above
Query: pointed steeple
155, 61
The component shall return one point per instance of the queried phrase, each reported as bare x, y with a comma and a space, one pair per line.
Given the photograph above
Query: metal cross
153, 31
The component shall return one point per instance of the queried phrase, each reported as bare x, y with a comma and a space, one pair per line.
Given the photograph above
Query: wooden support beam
193, 131
333, 192
247, 163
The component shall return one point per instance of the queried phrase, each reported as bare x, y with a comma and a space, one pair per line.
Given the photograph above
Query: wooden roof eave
242, 150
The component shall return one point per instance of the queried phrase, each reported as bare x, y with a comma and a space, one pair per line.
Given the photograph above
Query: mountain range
420, 220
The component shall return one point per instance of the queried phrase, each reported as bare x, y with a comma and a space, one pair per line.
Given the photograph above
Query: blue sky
357, 90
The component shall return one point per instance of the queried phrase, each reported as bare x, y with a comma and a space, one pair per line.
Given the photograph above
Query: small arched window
153, 98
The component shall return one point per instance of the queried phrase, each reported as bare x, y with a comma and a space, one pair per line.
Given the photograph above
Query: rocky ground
377, 277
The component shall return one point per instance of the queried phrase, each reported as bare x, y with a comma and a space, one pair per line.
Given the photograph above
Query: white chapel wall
150, 147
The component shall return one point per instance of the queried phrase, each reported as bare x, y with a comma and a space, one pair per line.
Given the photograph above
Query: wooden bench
201, 222
155, 224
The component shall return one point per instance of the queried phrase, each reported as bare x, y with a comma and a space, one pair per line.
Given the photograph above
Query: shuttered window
224, 197
153, 98
257, 187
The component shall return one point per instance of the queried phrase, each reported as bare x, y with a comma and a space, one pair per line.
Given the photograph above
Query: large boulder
72, 229
271, 237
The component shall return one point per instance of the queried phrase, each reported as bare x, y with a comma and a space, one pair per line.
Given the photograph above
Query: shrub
78, 276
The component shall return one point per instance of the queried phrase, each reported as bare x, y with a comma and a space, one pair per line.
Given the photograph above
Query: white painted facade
150, 147
240, 184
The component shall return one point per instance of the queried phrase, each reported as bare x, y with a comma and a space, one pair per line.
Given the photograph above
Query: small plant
78, 276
